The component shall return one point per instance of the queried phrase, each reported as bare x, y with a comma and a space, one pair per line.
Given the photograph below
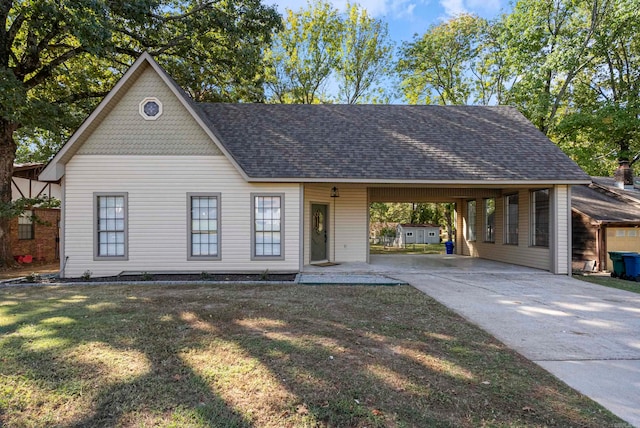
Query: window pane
111, 225
489, 219
267, 225
511, 217
471, 220
204, 225
540, 218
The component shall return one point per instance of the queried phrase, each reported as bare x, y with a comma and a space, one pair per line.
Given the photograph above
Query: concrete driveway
586, 335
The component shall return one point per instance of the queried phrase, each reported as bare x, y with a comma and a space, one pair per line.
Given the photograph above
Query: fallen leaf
376, 412
486, 382
528, 409
302, 410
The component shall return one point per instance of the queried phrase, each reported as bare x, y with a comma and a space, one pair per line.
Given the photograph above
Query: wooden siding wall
584, 237
157, 189
348, 221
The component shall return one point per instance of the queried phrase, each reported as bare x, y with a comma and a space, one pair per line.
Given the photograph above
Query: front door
318, 232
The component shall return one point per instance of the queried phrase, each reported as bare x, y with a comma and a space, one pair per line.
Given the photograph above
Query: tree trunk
7, 156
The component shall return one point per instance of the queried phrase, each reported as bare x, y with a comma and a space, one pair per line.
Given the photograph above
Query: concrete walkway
586, 335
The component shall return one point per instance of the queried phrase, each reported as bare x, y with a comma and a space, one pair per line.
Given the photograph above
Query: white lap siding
157, 188
521, 254
348, 221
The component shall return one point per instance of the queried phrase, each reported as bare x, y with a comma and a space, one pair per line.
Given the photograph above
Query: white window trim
253, 226
144, 115
190, 256
96, 237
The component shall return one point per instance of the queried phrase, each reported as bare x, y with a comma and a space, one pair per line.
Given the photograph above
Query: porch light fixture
335, 193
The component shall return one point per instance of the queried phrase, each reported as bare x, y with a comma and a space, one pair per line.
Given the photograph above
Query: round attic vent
150, 108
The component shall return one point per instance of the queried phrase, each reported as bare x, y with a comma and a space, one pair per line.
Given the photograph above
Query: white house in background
155, 182
417, 234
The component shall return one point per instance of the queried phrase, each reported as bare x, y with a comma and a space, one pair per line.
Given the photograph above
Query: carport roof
386, 143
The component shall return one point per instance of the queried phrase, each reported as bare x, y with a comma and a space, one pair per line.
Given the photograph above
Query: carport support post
560, 230
459, 227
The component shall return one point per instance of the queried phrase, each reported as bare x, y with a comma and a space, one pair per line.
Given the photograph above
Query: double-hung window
110, 229
511, 219
25, 225
540, 218
490, 220
204, 226
267, 226
471, 220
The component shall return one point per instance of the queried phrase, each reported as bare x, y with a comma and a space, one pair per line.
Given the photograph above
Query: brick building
34, 235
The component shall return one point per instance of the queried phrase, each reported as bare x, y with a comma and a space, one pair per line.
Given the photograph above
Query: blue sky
407, 17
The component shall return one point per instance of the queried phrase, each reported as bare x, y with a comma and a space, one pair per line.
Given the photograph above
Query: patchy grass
608, 281
264, 356
409, 249
28, 269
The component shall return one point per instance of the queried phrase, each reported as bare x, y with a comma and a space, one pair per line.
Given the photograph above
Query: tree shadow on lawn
274, 356
133, 375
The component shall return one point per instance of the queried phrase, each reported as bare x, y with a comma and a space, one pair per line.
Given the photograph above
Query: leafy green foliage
58, 59
364, 58
319, 45
571, 67
15, 208
438, 67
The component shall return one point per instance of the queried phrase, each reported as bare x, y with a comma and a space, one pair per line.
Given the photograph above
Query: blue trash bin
632, 266
449, 247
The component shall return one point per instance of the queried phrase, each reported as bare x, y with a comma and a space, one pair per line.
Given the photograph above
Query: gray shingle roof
604, 205
387, 142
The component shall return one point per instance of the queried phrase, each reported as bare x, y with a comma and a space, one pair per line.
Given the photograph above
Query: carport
521, 223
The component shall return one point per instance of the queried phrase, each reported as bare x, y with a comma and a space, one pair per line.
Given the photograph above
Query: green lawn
607, 281
264, 356
409, 249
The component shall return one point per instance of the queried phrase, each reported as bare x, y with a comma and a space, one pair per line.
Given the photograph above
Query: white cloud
453, 7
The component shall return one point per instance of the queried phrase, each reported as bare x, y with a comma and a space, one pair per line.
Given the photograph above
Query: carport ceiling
422, 194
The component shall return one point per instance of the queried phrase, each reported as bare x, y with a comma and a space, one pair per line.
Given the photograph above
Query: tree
320, 46
303, 55
603, 125
548, 43
364, 56
447, 63
57, 59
